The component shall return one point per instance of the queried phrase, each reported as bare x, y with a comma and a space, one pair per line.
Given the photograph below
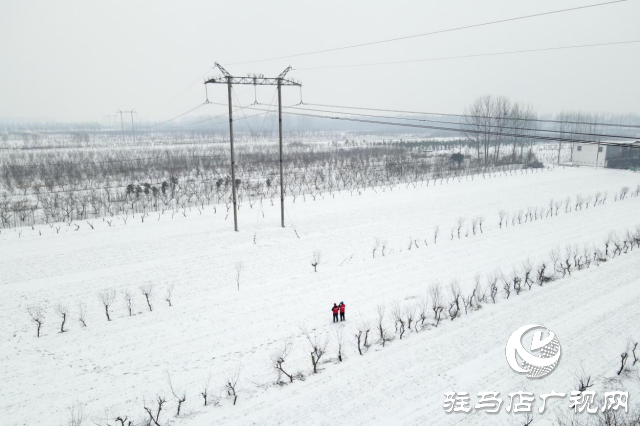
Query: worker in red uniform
335, 311
342, 307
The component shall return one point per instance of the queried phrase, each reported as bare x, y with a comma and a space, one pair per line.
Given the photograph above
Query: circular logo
543, 355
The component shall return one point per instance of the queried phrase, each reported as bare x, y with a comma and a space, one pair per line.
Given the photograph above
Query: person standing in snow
335, 311
342, 308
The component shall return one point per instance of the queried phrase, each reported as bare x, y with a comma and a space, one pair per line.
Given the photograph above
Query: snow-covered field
217, 327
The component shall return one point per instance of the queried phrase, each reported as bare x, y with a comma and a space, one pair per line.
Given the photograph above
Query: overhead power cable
353, 46
199, 80
464, 27
477, 55
180, 115
538, 120
513, 135
468, 124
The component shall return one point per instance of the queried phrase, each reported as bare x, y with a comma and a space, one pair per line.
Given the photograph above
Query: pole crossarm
257, 81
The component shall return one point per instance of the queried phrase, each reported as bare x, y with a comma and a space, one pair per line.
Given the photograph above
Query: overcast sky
82, 60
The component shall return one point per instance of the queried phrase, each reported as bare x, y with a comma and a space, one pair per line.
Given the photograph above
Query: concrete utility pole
133, 132
255, 81
121, 123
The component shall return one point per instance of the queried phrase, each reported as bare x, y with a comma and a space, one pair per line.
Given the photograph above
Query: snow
214, 329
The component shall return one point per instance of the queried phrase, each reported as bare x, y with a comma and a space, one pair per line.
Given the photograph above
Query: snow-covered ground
215, 329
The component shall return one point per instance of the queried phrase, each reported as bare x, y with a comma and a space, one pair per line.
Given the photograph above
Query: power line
399, 39
466, 115
446, 58
208, 119
467, 124
181, 115
517, 136
465, 27
187, 89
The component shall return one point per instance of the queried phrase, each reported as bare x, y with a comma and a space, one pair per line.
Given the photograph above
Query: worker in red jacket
342, 307
335, 311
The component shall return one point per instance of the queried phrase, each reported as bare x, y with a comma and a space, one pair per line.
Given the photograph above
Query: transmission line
539, 120
467, 124
180, 115
477, 55
517, 136
465, 27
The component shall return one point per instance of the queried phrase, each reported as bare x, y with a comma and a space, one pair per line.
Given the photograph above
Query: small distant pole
121, 124
133, 131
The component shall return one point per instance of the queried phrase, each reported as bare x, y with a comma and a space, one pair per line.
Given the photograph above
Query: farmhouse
609, 155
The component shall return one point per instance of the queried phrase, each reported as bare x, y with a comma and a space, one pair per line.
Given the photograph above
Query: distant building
610, 155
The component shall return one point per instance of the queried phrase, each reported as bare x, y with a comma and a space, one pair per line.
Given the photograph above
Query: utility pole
279, 81
121, 124
133, 132
280, 77
233, 157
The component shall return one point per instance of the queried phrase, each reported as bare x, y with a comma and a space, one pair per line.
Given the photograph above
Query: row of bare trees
180, 196
107, 299
566, 205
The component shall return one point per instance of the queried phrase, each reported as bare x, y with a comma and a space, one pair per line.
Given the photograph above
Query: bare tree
541, 273
459, 224
82, 313
623, 361
422, 308
205, 390
436, 230
506, 283
435, 293
179, 395
362, 337
279, 357
128, 300
583, 381
516, 281
454, 304
382, 331
396, 313
76, 415
169, 294
376, 246
36, 312
147, 291
502, 215
527, 267
232, 385
318, 347
239, 268
315, 260
339, 335
155, 419
567, 261
62, 309
492, 283
107, 297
